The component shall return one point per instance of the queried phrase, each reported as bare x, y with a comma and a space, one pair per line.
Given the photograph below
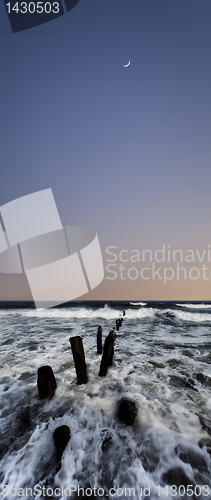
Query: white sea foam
195, 317
163, 366
195, 306
105, 313
138, 303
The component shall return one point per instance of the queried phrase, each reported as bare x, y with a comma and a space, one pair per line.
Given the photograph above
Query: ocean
162, 361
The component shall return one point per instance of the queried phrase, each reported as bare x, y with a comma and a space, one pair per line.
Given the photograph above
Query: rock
46, 382
157, 365
205, 423
173, 363
127, 411
203, 379
61, 437
205, 442
149, 461
182, 382
195, 460
24, 418
107, 437
176, 476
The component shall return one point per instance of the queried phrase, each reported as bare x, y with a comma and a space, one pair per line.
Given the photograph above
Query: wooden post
112, 335
99, 340
119, 323
61, 437
108, 352
46, 382
79, 359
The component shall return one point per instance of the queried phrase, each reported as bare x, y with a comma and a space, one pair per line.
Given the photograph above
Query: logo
28, 14
60, 263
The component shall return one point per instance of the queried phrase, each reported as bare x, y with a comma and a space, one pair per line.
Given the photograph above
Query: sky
126, 151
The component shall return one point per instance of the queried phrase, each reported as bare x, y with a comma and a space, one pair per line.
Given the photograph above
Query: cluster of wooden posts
46, 381
127, 409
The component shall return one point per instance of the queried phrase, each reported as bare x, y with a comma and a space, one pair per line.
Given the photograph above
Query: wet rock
106, 436
191, 457
173, 363
61, 437
127, 411
182, 382
46, 382
203, 379
205, 423
148, 452
24, 418
149, 462
5, 445
157, 365
205, 442
176, 476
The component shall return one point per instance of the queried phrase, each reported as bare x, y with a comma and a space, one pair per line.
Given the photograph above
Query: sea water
162, 362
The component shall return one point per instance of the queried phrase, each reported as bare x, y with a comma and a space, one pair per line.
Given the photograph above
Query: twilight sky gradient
125, 150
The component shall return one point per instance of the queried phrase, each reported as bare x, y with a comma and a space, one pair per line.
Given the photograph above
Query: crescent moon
126, 65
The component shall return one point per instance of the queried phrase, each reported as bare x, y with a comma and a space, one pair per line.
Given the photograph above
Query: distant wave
195, 317
86, 313
195, 306
138, 303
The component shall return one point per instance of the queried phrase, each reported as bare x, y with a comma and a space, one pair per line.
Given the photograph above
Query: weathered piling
123, 312
108, 352
61, 437
127, 411
112, 335
46, 382
79, 359
99, 340
119, 323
